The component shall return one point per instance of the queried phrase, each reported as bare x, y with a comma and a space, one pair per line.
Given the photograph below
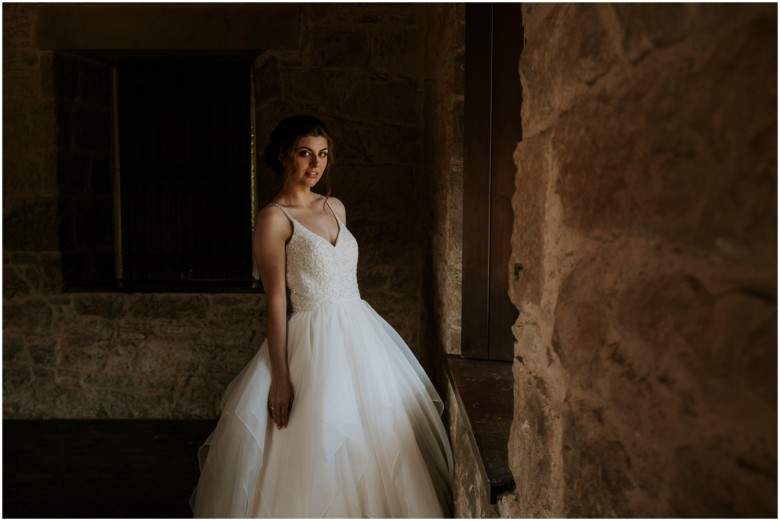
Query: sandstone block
14, 354
109, 306
30, 173
267, 81
159, 356
51, 273
741, 342
14, 284
43, 354
121, 359
226, 301
601, 486
84, 357
397, 52
528, 205
18, 398
580, 51
530, 446
333, 86
376, 144
31, 315
392, 101
335, 45
51, 397
646, 27
32, 225
169, 307
458, 139
192, 396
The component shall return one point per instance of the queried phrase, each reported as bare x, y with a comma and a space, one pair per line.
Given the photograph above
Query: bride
334, 416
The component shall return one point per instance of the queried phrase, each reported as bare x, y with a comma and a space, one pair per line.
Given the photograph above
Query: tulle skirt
364, 439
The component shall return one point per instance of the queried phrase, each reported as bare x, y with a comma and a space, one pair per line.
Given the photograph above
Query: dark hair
284, 138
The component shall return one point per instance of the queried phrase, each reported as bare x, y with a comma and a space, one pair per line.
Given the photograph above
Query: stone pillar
443, 163
645, 211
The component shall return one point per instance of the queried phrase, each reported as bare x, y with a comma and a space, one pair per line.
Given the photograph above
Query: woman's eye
304, 153
323, 154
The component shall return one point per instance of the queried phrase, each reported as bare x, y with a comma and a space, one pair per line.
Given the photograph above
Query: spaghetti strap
282, 208
332, 211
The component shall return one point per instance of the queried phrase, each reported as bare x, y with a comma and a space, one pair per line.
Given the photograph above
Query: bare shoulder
272, 222
338, 207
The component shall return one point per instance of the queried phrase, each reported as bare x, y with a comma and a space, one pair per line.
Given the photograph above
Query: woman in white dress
334, 416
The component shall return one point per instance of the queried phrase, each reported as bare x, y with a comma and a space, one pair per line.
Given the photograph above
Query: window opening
492, 129
184, 154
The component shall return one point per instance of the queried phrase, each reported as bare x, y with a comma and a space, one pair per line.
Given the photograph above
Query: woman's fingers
280, 414
280, 401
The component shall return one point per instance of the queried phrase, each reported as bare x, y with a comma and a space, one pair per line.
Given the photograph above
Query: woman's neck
296, 196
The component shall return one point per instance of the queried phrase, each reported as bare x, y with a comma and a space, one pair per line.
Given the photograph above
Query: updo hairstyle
285, 136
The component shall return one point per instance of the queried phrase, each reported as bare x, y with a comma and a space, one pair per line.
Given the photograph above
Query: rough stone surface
471, 496
646, 353
443, 157
125, 356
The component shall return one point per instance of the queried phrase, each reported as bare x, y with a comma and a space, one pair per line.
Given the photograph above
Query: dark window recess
492, 130
482, 377
185, 171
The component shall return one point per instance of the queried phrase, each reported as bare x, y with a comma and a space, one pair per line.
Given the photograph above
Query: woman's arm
272, 230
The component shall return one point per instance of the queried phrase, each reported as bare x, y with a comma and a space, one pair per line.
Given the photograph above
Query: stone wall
359, 67
645, 210
443, 162
123, 355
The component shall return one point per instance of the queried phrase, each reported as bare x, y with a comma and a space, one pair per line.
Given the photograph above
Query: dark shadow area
100, 468
82, 93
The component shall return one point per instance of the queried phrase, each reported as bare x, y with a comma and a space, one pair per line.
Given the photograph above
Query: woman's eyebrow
310, 149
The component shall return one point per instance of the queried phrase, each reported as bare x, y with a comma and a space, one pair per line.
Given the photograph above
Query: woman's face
309, 160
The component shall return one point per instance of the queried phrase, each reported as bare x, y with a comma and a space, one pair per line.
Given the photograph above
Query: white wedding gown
365, 437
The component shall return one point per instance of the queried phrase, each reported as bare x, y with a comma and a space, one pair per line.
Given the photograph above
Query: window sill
484, 394
168, 287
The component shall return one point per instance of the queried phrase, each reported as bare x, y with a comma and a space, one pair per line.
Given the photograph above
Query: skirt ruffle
364, 439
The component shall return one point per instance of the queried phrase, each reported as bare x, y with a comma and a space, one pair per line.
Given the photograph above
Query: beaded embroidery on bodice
319, 272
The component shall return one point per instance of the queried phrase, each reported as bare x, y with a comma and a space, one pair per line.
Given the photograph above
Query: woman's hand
280, 400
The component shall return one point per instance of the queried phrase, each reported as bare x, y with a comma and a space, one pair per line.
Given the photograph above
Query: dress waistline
299, 305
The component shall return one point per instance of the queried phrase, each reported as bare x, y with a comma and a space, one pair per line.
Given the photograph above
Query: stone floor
100, 468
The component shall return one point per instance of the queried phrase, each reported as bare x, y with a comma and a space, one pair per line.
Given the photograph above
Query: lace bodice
319, 272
